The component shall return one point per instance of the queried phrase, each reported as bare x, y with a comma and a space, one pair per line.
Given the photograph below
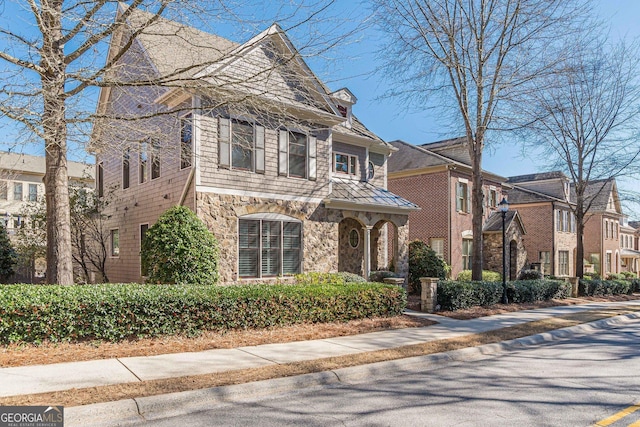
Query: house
21, 183
274, 163
437, 177
602, 227
543, 201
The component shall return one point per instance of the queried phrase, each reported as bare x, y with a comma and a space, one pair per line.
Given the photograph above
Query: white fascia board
351, 206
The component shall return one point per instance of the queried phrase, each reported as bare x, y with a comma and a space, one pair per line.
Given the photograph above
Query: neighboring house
21, 183
543, 201
629, 254
437, 177
285, 176
602, 227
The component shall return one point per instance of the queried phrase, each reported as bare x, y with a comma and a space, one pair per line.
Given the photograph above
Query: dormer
344, 100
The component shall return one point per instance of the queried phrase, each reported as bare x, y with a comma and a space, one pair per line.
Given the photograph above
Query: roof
454, 149
360, 130
634, 224
519, 194
597, 193
629, 253
494, 222
411, 156
173, 47
358, 195
536, 177
25, 163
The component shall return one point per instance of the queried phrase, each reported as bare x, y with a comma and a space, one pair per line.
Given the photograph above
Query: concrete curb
125, 412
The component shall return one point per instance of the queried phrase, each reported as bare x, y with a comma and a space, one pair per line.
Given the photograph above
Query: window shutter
459, 196
259, 149
283, 152
312, 153
224, 135
291, 247
467, 208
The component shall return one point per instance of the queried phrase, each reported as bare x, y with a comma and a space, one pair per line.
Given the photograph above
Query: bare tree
52, 66
470, 56
586, 121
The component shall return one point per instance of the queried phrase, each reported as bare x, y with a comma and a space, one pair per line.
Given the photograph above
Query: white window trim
349, 157
311, 171
225, 144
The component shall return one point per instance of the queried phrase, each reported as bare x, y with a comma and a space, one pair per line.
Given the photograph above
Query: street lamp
503, 206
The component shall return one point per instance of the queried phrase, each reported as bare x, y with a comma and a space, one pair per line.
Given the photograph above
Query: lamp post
503, 206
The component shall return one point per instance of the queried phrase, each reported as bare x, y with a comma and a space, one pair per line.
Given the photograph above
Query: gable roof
453, 148
598, 193
536, 177
519, 194
36, 165
494, 222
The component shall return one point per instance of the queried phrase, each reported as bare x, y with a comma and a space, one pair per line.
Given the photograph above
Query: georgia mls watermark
31, 416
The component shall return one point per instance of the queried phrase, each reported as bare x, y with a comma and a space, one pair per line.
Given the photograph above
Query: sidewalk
64, 376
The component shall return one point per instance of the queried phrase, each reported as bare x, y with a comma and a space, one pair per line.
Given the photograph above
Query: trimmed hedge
114, 312
457, 295
606, 287
487, 276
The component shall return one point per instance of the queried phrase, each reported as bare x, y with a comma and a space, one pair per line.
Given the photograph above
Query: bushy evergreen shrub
8, 256
530, 275
114, 312
605, 287
180, 249
423, 262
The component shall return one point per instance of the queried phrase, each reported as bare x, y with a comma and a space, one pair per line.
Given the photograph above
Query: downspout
450, 243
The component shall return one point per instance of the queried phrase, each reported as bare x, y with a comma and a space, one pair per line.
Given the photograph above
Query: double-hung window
269, 247
563, 263
155, 159
17, 191
142, 162
467, 249
545, 261
100, 179
126, 163
438, 246
463, 202
297, 154
241, 145
33, 192
115, 242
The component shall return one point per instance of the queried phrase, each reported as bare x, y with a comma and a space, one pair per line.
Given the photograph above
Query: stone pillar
429, 295
367, 251
575, 282
398, 281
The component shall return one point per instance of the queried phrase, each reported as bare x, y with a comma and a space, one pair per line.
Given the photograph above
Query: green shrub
351, 277
457, 295
487, 276
615, 276
629, 274
423, 262
8, 255
635, 285
115, 312
605, 287
530, 275
179, 248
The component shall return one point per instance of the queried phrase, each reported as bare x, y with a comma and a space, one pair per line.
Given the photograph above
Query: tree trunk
476, 207
579, 239
59, 259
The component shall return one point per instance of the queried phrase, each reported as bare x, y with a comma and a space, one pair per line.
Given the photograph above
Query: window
142, 163
100, 179
462, 197
33, 192
143, 232
115, 243
269, 247
615, 230
155, 159
594, 258
611, 229
563, 263
344, 163
126, 158
297, 154
17, 191
186, 141
438, 247
573, 222
3, 190
545, 262
467, 246
493, 198
241, 145
354, 238
608, 260
606, 229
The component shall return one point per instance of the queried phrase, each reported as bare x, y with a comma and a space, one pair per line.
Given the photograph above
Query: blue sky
352, 65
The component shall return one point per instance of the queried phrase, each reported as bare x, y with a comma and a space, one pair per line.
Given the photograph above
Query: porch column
367, 251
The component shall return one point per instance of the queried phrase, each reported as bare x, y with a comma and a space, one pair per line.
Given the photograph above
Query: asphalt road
581, 381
